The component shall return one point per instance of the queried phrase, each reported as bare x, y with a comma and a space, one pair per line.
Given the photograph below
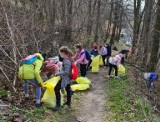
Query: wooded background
29, 26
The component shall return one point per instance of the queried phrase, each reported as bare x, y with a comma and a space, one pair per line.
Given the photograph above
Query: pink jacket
80, 57
116, 60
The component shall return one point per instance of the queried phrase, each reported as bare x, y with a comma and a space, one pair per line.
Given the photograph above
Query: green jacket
27, 72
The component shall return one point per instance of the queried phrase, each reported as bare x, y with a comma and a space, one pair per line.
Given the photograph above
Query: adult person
30, 73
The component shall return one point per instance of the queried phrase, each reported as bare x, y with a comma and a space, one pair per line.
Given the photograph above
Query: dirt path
92, 109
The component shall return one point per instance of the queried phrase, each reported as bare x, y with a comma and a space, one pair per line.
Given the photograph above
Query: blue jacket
94, 53
153, 76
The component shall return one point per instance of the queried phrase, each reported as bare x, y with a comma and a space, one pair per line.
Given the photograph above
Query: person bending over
113, 63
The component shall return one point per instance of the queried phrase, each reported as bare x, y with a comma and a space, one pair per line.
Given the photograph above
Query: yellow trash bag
49, 98
80, 87
83, 80
121, 70
95, 64
100, 61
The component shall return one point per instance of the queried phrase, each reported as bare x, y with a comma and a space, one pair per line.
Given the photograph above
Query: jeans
110, 69
38, 89
58, 95
83, 69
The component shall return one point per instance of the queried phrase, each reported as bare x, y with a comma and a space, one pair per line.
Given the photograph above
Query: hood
39, 56
146, 75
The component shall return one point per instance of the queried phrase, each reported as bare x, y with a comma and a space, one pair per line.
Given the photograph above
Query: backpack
88, 56
74, 71
29, 59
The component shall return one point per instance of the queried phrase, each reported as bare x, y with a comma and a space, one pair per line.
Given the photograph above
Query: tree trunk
89, 25
156, 42
137, 7
97, 21
115, 21
147, 28
68, 30
109, 23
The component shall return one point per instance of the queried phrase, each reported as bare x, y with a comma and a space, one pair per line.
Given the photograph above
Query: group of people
32, 73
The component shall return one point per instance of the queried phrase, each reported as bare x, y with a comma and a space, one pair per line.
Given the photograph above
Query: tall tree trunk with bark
137, 7
147, 29
89, 23
115, 21
109, 22
68, 30
97, 21
155, 42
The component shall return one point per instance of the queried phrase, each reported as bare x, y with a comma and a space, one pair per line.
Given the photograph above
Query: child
80, 57
113, 63
151, 77
103, 51
51, 67
94, 50
64, 74
30, 73
109, 52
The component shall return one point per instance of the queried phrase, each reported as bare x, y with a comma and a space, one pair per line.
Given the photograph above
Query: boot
38, 105
68, 104
57, 108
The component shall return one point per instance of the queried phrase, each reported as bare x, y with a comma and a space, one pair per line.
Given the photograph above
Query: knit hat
95, 47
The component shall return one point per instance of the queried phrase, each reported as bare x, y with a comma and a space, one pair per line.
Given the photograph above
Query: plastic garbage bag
100, 61
83, 80
95, 64
121, 70
80, 87
49, 98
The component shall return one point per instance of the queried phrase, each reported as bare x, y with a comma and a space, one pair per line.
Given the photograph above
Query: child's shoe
116, 77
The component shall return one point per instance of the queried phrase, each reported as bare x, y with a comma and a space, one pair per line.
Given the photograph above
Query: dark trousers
108, 60
58, 95
122, 60
83, 69
89, 64
104, 58
110, 69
